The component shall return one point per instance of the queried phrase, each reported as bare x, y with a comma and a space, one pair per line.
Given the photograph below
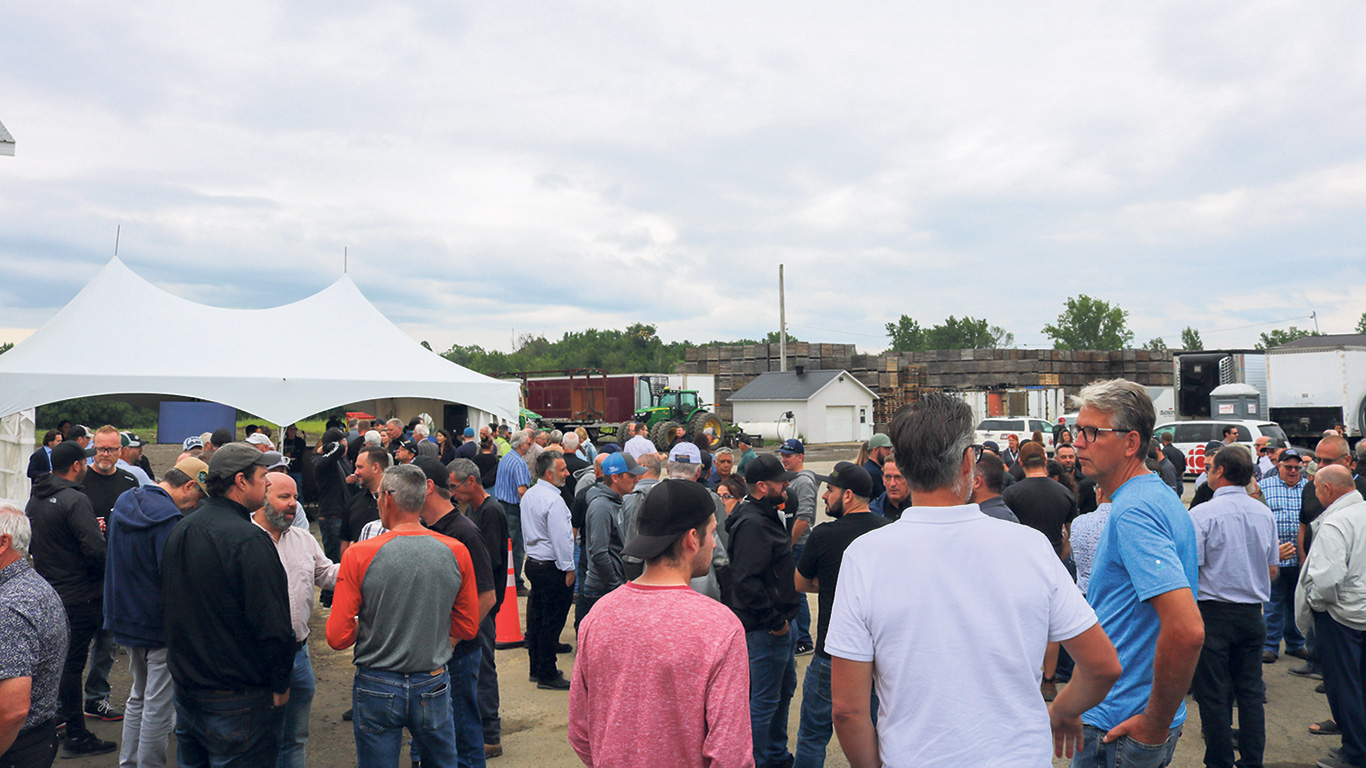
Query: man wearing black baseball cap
229, 637
847, 490
765, 599
643, 643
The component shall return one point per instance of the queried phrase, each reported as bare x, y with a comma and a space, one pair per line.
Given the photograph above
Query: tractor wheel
707, 420
661, 434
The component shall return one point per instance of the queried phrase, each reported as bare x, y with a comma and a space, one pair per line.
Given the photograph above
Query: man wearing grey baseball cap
229, 638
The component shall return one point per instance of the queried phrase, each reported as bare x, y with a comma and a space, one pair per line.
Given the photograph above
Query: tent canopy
221, 355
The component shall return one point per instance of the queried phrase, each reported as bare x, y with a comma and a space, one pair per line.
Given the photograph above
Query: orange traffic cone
509, 621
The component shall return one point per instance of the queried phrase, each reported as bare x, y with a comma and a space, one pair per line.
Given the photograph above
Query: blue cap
615, 464
792, 445
469, 431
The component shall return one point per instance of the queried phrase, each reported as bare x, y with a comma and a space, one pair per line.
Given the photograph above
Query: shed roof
790, 385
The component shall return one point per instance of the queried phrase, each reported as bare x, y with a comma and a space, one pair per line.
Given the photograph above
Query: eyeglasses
976, 452
1330, 461
1292, 467
115, 449
1089, 433
726, 495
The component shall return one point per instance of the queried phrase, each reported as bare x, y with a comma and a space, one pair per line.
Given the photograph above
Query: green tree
7, 346
1277, 337
1088, 323
954, 333
906, 335
1155, 345
1190, 339
1361, 324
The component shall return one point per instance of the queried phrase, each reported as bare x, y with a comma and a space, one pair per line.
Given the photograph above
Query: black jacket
330, 469
68, 549
226, 606
39, 463
764, 594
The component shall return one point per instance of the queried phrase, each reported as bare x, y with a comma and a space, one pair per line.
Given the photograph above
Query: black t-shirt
104, 490
361, 508
463, 530
1042, 504
488, 468
822, 557
573, 464
294, 450
492, 521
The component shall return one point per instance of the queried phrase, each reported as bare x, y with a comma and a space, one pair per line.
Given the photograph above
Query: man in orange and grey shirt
404, 598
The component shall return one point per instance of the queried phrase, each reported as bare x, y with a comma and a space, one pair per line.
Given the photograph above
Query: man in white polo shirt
987, 593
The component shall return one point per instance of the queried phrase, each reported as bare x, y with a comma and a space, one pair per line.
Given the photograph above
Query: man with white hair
33, 624
512, 483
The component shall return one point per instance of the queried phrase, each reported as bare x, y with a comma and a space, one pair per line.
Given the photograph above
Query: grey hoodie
603, 541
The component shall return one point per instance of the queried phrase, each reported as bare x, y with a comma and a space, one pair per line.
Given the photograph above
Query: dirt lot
534, 720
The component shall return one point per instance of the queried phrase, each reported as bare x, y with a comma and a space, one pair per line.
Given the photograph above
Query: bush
94, 412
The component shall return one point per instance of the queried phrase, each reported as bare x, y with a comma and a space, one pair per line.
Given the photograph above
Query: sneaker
86, 744
103, 710
1334, 762
1049, 689
493, 750
1305, 670
803, 649
554, 684
564, 648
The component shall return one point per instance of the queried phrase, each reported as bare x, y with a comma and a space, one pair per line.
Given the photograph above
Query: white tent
342, 350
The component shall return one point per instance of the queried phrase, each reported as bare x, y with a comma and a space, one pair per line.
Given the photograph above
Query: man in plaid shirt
1284, 492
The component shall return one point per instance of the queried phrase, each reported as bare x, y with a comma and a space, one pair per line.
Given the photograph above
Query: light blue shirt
512, 473
1236, 544
546, 527
1147, 549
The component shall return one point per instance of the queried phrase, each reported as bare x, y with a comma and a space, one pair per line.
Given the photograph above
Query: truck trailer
1317, 383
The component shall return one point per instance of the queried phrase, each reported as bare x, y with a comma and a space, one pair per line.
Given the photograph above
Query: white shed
828, 406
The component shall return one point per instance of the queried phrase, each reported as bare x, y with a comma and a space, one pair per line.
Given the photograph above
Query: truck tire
660, 434
704, 419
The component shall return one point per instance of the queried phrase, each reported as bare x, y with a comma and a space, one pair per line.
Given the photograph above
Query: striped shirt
512, 472
1284, 501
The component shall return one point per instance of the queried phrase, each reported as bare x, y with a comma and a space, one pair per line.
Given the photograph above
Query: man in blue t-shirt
1143, 583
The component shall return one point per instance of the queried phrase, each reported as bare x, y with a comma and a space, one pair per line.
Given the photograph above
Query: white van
1190, 437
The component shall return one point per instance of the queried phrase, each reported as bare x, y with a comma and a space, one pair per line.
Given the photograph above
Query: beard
279, 520
835, 508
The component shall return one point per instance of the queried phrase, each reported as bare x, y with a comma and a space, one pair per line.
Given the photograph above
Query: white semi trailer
1316, 383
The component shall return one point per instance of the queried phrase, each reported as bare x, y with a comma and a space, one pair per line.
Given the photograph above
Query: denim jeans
101, 663
469, 727
488, 680
384, 703
772, 682
1340, 650
817, 726
1123, 752
150, 713
1229, 671
330, 529
297, 712
513, 512
1280, 612
803, 621
233, 730
83, 618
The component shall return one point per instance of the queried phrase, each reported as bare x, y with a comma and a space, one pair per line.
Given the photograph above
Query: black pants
83, 618
1340, 649
1230, 669
547, 607
34, 748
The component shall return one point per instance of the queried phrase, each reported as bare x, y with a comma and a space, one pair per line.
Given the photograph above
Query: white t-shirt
956, 609
638, 446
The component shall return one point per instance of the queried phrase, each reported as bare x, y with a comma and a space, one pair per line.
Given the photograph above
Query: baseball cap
79, 430
192, 442
1291, 453
277, 460
744, 438
333, 435
434, 470
991, 445
617, 463
197, 470
850, 477
130, 440
233, 458
671, 509
792, 445
221, 437
256, 438
66, 454
766, 468
469, 431
408, 445
879, 440
685, 453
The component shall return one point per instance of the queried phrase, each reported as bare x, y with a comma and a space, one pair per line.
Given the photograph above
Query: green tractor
673, 408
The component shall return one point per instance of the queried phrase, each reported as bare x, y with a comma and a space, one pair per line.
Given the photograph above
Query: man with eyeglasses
1284, 493
1143, 583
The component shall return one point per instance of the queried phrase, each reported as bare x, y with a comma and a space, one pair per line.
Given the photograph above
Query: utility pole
782, 322
1315, 316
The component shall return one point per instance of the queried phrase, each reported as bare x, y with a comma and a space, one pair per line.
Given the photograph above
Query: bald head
597, 463
281, 482
1333, 450
1332, 483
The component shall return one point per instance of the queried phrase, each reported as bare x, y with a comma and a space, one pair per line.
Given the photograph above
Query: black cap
850, 477
669, 510
333, 435
408, 445
66, 454
766, 467
434, 470
1291, 453
221, 437
990, 445
235, 457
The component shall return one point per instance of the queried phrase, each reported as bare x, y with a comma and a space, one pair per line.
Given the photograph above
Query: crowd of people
1084, 599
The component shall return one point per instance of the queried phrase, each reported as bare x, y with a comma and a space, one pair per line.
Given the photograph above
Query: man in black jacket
69, 550
764, 597
229, 638
330, 470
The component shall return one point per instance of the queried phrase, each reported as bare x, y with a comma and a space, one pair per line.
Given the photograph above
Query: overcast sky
520, 167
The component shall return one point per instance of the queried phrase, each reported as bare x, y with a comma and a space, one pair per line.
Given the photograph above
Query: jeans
150, 713
469, 726
294, 737
772, 682
513, 512
1340, 650
227, 730
84, 618
101, 663
384, 703
35, 748
330, 529
488, 681
803, 621
1280, 612
1230, 669
546, 609
817, 724
584, 604
1123, 752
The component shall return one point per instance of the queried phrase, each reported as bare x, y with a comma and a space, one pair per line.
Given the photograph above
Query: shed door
839, 424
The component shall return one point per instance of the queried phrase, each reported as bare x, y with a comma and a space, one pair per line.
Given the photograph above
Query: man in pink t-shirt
661, 678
